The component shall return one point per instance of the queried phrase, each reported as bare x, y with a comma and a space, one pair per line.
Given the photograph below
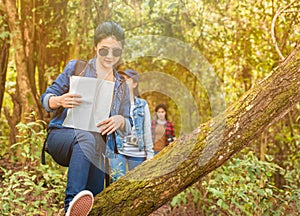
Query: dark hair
108, 29
164, 107
136, 89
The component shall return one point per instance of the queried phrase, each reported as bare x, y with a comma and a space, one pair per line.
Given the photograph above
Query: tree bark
4, 54
85, 9
193, 156
51, 45
103, 12
28, 19
29, 101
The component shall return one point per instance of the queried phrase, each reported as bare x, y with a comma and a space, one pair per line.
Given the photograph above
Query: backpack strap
43, 157
80, 67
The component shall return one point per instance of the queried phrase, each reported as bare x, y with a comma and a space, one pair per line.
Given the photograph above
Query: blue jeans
119, 163
82, 152
156, 152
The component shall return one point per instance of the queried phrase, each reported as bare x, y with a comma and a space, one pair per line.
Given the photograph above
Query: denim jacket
120, 103
142, 123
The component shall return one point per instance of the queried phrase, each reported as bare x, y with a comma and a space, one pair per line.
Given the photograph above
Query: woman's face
161, 114
110, 52
131, 84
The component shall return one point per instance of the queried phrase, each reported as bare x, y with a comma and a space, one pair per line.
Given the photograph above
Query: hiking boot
81, 204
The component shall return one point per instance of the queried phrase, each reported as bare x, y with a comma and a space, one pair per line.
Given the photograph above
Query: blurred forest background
242, 40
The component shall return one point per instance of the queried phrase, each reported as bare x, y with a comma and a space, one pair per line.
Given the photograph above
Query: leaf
172, 6
151, 4
261, 192
216, 192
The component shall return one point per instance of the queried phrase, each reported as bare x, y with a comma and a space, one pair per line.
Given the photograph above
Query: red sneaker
81, 204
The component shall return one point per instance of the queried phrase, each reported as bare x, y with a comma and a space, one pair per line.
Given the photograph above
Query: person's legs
118, 166
95, 182
59, 144
78, 150
78, 173
97, 170
134, 161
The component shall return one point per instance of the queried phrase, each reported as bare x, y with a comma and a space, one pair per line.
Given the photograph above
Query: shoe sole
82, 206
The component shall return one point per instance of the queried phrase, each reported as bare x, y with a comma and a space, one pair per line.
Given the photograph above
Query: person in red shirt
162, 130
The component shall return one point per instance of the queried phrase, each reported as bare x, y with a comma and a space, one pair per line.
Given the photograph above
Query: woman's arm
147, 133
59, 87
67, 100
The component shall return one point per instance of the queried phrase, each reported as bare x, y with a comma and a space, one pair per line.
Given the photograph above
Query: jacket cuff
46, 102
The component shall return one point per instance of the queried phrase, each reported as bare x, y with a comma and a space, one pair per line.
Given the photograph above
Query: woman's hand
68, 100
111, 124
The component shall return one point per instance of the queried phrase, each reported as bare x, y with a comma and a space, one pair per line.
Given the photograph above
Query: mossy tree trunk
193, 156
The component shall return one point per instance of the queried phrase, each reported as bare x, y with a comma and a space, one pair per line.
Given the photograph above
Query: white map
96, 100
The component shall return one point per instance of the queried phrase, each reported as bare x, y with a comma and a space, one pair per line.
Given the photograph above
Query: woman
82, 151
137, 147
162, 130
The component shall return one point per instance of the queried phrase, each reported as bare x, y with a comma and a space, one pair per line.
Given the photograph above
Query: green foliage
4, 131
31, 136
284, 144
242, 187
116, 172
29, 188
31, 191
4, 33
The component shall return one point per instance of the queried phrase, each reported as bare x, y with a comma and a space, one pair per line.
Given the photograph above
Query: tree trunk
82, 29
51, 45
193, 156
28, 19
4, 53
26, 96
103, 12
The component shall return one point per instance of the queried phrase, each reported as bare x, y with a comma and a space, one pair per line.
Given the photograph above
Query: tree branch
193, 156
273, 33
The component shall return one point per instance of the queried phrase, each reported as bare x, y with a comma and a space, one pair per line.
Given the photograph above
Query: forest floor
165, 210
8, 165
184, 210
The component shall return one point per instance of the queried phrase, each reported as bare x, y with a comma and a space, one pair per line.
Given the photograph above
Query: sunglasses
117, 52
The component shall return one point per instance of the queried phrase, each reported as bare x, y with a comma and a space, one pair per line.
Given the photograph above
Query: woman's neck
159, 121
131, 98
104, 73
131, 95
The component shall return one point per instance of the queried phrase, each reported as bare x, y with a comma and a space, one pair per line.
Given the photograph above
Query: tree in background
4, 47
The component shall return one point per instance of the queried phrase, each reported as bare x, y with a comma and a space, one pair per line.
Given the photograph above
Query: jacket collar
138, 102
